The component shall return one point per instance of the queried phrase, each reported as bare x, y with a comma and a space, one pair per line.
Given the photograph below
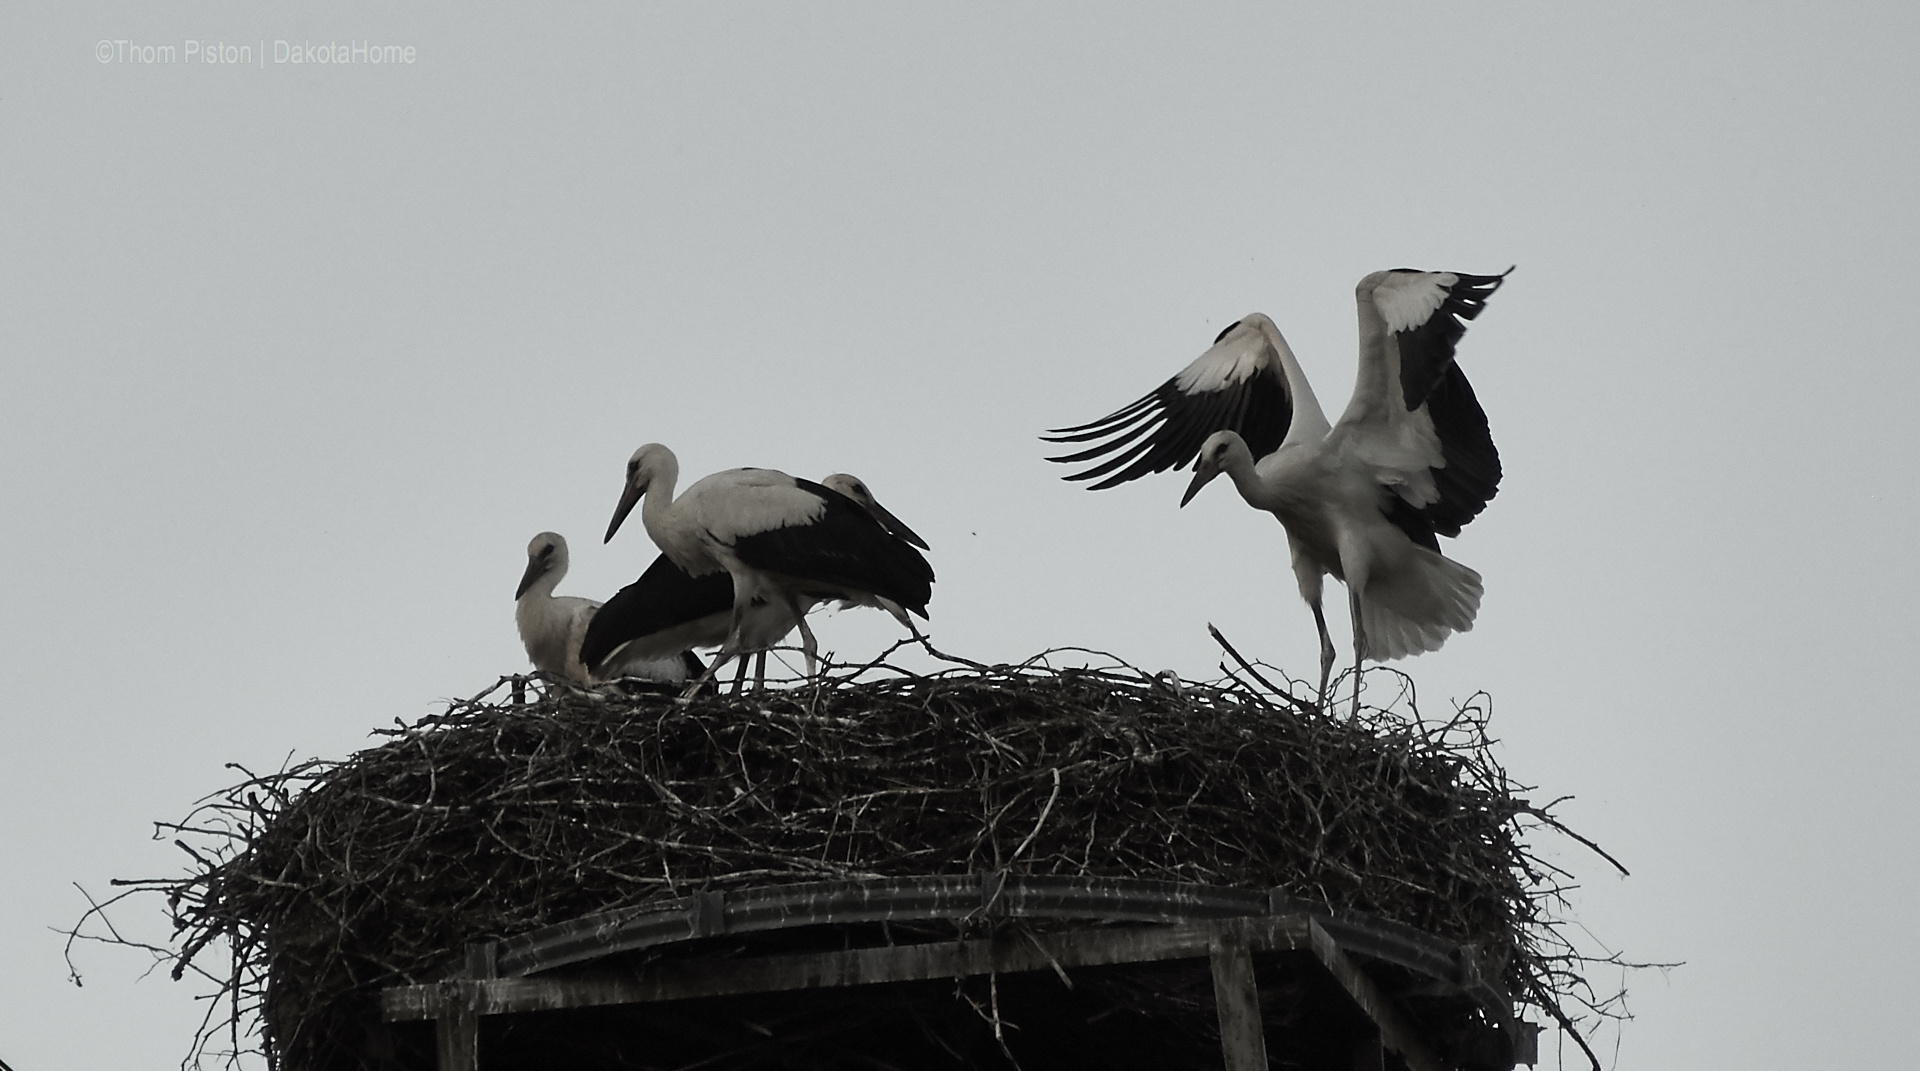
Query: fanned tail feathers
1415, 608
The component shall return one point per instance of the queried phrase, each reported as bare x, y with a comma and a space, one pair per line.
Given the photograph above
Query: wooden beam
684, 979
953, 896
1178, 920
1395, 1032
1236, 997
969, 896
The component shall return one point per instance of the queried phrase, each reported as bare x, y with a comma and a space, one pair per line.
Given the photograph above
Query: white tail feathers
1414, 608
625, 661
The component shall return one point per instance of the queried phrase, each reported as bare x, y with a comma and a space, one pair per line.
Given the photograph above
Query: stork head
1214, 455
646, 465
853, 487
546, 554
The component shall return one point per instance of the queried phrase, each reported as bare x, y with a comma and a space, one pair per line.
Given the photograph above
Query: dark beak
627, 501
536, 568
892, 524
1202, 473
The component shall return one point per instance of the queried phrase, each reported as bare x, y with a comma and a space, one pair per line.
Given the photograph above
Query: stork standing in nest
1363, 499
668, 611
782, 541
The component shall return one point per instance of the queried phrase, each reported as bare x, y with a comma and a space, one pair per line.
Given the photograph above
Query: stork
1363, 499
667, 610
552, 628
783, 544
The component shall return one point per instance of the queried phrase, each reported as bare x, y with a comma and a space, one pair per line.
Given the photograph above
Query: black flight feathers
664, 597
1429, 375
1165, 429
1426, 351
845, 548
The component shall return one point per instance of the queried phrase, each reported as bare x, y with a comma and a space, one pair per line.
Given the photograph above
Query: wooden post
457, 1030
1243, 1038
458, 1027
1394, 1032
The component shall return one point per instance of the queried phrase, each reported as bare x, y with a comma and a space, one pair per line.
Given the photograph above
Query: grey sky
297, 358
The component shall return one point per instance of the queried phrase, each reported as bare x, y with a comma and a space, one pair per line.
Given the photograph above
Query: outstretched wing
1237, 385
1413, 413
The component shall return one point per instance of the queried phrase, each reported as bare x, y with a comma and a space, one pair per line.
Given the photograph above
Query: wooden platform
1089, 923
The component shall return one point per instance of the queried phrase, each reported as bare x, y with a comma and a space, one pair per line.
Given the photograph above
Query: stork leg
740, 676
1309, 575
1356, 565
718, 660
759, 671
1359, 643
807, 644
1326, 650
729, 649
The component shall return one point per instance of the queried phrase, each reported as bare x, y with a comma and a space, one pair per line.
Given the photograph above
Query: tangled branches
329, 880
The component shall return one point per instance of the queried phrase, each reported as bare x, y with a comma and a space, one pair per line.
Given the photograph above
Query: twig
1042, 820
1298, 705
1543, 816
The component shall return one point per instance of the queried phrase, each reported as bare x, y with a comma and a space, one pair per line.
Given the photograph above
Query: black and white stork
781, 545
553, 628
1363, 499
669, 611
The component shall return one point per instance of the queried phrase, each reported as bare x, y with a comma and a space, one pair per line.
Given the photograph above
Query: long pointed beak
892, 524
536, 568
1202, 473
628, 499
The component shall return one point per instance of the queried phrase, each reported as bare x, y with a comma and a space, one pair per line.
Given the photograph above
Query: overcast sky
298, 356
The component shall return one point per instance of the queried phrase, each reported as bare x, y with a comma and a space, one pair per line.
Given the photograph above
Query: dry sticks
328, 880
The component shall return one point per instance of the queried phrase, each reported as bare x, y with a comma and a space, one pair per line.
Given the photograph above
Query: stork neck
1239, 467
658, 502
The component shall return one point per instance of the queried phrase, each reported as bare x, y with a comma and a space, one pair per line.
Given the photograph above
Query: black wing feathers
1099, 427
1426, 351
1414, 522
1472, 473
1429, 376
664, 597
1165, 429
845, 548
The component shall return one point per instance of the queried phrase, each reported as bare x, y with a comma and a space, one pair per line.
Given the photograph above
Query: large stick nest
330, 880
